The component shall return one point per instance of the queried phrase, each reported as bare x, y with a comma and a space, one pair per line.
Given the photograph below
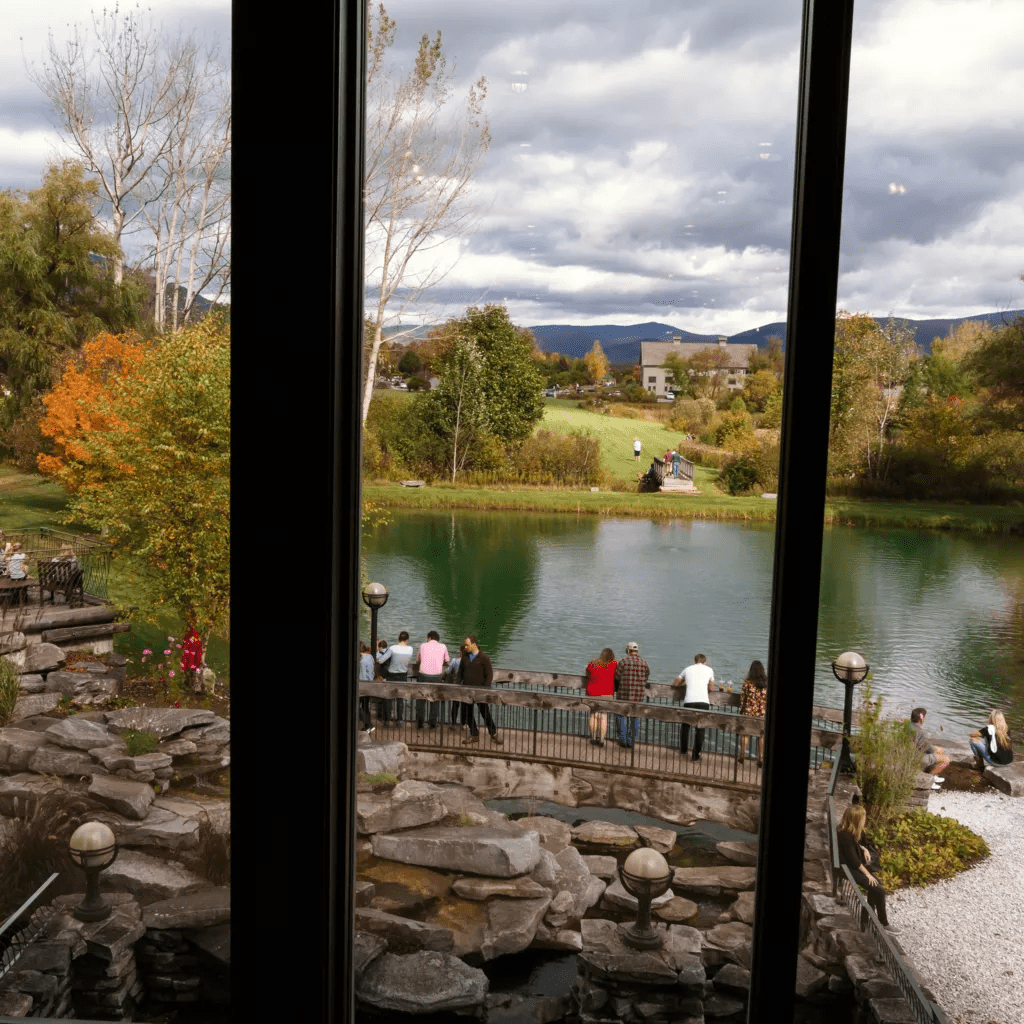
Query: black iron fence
844, 888
43, 543
24, 926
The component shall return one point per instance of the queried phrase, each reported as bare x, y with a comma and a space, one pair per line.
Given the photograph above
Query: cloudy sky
645, 170
28, 139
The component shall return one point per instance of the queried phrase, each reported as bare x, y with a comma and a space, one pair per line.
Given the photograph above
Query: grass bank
992, 519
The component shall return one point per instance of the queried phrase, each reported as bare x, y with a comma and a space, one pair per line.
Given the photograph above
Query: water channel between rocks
543, 973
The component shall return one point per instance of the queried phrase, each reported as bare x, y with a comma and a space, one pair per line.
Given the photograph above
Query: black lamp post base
641, 938
94, 912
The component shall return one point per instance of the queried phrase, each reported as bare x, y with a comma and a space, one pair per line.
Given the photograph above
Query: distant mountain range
621, 343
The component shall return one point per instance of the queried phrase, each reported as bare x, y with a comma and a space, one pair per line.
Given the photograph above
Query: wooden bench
11, 589
62, 575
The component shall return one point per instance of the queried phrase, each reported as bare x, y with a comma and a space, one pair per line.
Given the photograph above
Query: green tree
769, 358
457, 409
758, 388
163, 442
56, 290
998, 364
509, 381
410, 363
708, 371
677, 371
596, 363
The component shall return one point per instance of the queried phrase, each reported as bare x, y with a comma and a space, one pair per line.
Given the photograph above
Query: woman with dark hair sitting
753, 698
856, 856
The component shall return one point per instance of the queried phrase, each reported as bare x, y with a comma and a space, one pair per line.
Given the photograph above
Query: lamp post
645, 875
93, 847
849, 668
375, 596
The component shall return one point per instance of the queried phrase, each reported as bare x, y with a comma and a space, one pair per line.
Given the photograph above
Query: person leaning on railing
857, 857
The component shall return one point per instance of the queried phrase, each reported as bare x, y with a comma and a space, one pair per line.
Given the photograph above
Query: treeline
478, 424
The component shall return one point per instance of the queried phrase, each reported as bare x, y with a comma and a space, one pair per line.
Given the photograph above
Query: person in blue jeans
631, 675
991, 743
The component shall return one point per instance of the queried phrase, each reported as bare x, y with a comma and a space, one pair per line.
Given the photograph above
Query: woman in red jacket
601, 683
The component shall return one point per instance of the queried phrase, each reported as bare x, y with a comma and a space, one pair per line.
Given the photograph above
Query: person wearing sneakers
933, 759
475, 669
694, 679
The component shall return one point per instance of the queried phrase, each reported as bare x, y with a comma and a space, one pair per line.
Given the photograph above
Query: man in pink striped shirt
433, 657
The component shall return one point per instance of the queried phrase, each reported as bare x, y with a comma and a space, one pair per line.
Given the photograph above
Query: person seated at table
991, 743
67, 554
856, 856
16, 563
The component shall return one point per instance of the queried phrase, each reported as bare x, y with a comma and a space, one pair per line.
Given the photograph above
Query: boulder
17, 747
733, 978
409, 805
382, 757
18, 791
80, 734
1007, 778
396, 983
616, 898
744, 854
460, 801
117, 760
547, 870
217, 812
522, 887
742, 909
49, 760
367, 948
511, 925
719, 1005
162, 722
660, 839
215, 942
150, 879
555, 835
566, 939
404, 932
499, 851
681, 947
583, 888
42, 658
713, 881
808, 978
202, 909
175, 748
31, 683
722, 942
13, 641
79, 684
34, 704
132, 799
604, 833
601, 865
677, 909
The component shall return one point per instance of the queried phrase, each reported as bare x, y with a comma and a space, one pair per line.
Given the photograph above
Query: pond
939, 617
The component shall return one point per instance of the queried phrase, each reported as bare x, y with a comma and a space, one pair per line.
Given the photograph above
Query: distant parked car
551, 392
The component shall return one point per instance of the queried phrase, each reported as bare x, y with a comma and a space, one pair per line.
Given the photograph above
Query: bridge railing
545, 716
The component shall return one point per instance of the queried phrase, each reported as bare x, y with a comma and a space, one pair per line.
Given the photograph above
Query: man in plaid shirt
631, 680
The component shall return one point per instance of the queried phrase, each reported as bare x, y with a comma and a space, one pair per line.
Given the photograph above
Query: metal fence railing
44, 543
14, 940
844, 888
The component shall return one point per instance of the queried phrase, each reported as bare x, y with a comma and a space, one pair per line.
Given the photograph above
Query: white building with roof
654, 353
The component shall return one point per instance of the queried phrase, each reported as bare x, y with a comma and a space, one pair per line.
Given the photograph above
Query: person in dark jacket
854, 855
475, 669
991, 743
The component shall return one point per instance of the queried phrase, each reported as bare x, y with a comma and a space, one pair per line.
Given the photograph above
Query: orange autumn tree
77, 408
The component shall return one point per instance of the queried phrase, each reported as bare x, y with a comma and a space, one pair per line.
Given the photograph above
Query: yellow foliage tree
596, 362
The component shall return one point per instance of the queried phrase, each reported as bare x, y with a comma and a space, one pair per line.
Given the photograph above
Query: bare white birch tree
150, 118
420, 161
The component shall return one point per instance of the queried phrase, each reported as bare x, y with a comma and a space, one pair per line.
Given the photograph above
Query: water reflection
940, 618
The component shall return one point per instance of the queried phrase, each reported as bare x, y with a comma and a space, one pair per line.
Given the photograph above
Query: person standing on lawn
475, 669
636, 449
433, 658
694, 680
631, 677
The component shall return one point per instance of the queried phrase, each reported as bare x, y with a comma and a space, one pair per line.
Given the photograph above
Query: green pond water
939, 617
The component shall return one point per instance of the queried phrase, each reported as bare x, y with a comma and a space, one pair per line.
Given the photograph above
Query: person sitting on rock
991, 743
933, 759
856, 856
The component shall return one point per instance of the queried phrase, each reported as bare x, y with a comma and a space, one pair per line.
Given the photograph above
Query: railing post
536, 712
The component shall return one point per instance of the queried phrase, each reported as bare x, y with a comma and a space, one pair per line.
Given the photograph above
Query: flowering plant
162, 672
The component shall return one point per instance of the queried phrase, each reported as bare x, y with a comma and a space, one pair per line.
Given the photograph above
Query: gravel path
966, 935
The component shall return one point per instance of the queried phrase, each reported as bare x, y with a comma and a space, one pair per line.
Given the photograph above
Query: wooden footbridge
543, 717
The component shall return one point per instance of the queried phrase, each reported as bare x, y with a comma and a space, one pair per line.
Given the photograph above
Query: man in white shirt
397, 657
433, 658
696, 679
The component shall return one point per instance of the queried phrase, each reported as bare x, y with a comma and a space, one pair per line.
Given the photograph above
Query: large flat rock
744, 854
25, 787
382, 757
555, 835
42, 657
714, 881
217, 812
1007, 778
51, 760
409, 805
604, 833
160, 828
80, 734
660, 839
522, 887
202, 909
131, 799
421, 983
149, 879
162, 722
495, 850
404, 932
33, 704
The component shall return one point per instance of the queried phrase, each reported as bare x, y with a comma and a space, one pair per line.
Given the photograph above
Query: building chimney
723, 339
